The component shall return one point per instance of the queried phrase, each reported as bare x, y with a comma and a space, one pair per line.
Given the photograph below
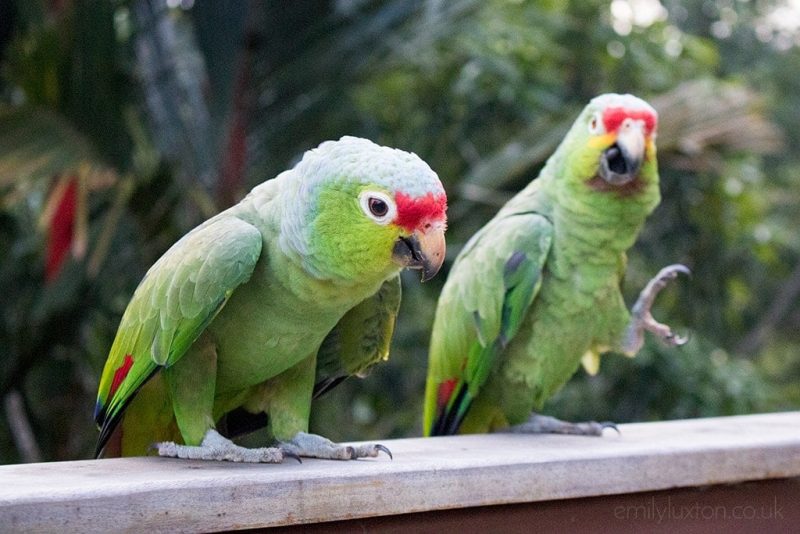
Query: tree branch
21, 431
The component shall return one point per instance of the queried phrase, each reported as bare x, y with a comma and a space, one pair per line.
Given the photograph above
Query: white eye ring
596, 124
378, 206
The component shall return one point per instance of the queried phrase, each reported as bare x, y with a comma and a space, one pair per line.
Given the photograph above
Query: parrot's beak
620, 163
424, 249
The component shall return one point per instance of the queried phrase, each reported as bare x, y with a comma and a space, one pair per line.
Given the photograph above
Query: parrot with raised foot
536, 291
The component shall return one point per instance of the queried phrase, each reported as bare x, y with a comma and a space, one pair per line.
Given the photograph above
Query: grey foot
314, 446
642, 319
544, 424
216, 447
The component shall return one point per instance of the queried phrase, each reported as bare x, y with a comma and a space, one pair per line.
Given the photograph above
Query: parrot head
365, 211
613, 141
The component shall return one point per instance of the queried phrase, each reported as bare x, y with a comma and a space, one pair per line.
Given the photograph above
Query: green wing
178, 297
487, 295
360, 339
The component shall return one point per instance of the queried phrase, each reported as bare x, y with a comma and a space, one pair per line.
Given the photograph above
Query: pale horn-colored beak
424, 250
621, 162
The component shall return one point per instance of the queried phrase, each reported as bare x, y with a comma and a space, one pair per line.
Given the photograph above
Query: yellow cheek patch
602, 141
650, 148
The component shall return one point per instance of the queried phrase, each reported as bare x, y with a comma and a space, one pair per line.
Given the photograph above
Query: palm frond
37, 144
700, 118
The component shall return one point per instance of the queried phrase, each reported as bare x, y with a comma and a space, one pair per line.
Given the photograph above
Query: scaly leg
642, 319
216, 447
287, 399
544, 424
314, 446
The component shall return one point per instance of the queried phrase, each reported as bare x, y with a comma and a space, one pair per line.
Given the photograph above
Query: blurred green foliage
162, 112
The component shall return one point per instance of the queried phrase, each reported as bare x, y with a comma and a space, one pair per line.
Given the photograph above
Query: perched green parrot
537, 290
269, 304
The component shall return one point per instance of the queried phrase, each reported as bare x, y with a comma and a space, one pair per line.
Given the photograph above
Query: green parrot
537, 290
269, 304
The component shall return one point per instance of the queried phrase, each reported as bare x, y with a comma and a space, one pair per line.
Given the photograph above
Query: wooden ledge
159, 494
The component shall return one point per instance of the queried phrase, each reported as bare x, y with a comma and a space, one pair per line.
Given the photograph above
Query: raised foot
544, 424
314, 446
216, 447
642, 319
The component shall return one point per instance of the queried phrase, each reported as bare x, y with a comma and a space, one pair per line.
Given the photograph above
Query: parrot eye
595, 126
378, 206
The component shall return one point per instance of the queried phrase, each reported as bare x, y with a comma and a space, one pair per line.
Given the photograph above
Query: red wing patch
120, 374
446, 391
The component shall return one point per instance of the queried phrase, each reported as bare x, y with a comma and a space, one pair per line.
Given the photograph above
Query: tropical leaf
36, 145
701, 118
37, 142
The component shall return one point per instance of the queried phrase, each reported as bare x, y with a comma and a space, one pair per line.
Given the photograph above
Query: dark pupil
378, 207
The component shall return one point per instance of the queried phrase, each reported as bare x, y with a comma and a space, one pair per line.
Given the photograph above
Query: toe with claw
369, 451
314, 446
545, 424
642, 319
611, 425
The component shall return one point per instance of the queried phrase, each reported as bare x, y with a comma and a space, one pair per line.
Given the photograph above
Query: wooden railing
648, 475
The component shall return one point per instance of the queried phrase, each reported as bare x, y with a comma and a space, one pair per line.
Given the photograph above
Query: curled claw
314, 446
291, 454
672, 270
381, 448
657, 283
641, 318
676, 340
371, 451
609, 424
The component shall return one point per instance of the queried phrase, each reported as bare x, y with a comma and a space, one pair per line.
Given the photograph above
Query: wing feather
178, 297
360, 339
491, 286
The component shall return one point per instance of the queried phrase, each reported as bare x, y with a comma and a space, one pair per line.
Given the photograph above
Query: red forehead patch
613, 117
414, 212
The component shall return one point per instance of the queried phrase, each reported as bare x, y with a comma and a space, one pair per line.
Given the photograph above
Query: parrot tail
452, 411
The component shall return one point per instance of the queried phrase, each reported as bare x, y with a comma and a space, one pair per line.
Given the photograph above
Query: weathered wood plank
755, 507
158, 494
